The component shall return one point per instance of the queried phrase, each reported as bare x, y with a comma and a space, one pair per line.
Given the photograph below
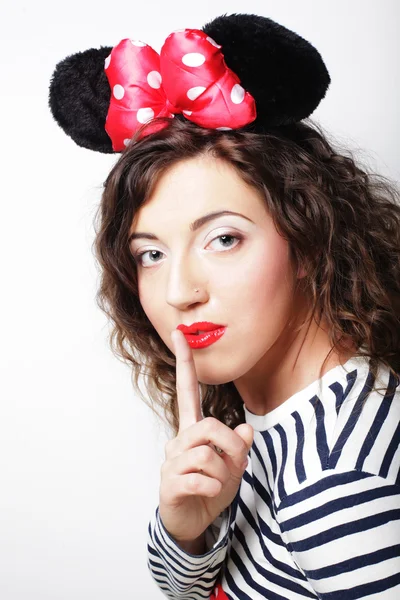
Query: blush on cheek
269, 273
263, 298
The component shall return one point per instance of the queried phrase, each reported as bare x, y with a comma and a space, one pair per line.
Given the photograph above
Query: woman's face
245, 282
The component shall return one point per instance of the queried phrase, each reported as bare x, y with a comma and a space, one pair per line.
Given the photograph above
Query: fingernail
244, 465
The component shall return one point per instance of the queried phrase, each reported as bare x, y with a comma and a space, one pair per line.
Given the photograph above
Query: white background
80, 455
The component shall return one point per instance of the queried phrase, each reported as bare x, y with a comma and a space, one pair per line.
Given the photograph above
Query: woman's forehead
193, 187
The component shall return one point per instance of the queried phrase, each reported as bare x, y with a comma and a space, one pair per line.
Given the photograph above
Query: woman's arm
176, 570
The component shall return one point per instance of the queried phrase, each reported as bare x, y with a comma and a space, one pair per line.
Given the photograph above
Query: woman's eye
139, 256
153, 253
226, 237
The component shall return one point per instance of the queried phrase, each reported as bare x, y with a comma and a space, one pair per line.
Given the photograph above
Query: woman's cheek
150, 301
265, 270
264, 288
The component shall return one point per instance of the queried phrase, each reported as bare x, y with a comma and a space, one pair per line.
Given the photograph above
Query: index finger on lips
187, 384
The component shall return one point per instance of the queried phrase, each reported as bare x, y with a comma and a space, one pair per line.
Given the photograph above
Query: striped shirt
317, 513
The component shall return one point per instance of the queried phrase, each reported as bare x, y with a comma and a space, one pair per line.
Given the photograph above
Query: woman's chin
210, 379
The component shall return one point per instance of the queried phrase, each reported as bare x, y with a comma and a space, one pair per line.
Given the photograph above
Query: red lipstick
202, 334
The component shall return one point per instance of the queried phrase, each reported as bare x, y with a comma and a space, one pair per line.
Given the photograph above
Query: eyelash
138, 256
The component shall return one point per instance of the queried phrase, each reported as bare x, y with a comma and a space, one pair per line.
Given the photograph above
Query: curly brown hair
342, 223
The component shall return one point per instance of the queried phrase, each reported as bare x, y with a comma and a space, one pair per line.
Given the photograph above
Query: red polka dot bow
188, 77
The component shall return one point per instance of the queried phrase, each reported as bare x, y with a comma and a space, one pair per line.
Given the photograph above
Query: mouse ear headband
236, 70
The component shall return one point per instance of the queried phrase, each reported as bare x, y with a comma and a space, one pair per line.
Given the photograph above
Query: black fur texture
79, 98
282, 71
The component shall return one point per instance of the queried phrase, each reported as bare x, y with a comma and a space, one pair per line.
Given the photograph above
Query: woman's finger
187, 384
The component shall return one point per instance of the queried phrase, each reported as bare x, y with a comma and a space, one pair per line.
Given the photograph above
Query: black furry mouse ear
79, 98
283, 72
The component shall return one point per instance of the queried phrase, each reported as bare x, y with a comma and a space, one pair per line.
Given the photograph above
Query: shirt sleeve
177, 572
343, 531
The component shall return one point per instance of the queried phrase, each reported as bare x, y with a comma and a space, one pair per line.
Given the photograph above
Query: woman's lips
203, 340
199, 326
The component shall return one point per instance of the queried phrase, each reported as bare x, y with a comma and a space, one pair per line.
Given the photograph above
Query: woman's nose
184, 278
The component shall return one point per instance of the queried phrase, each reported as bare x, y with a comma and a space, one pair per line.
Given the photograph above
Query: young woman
252, 276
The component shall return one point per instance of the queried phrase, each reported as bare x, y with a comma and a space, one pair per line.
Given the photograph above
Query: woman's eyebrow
193, 226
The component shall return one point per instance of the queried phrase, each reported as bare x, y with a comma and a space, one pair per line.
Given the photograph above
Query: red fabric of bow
188, 77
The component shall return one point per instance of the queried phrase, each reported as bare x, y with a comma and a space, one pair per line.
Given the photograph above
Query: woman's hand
198, 483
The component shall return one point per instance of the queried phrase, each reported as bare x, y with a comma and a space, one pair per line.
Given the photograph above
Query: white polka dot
127, 141
223, 128
195, 92
107, 61
179, 30
154, 79
237, 94
193, 59
118, 91
138, 43
213, 42
187, 112
144, 115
